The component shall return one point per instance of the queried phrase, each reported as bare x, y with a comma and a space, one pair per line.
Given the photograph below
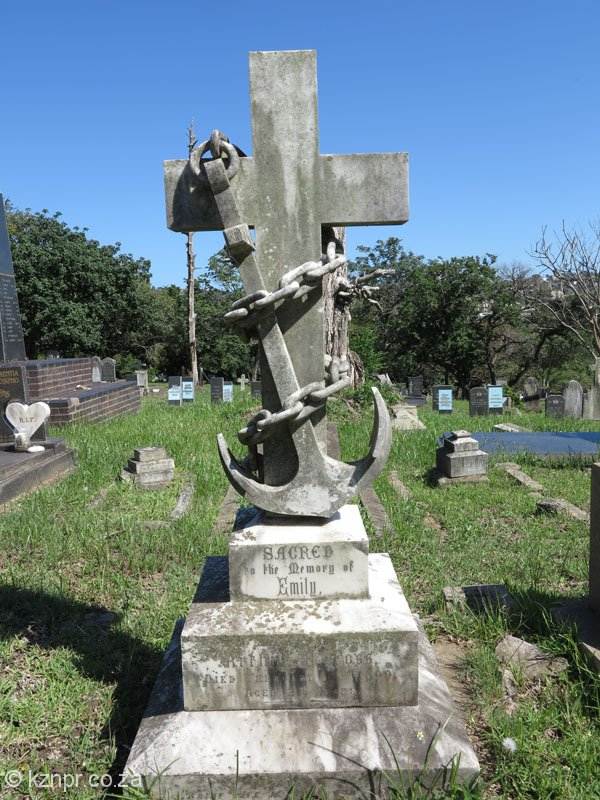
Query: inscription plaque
281, 560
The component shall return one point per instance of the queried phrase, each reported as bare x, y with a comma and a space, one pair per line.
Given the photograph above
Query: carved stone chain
246, 313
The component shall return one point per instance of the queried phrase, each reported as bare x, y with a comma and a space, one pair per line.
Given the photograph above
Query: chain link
246, 312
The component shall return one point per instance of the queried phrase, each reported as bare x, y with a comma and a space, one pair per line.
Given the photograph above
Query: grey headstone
573, 395
109, 369
256, 389
478, 401
96, 369
228, 392
415, 385
12, 344
532, 393
555, 405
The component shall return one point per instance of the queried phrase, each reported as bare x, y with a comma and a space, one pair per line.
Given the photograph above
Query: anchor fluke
321, 484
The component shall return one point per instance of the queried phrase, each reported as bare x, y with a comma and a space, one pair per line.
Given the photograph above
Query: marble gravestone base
263, 690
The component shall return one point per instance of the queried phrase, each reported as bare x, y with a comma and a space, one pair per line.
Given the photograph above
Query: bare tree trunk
336, 316
191, 268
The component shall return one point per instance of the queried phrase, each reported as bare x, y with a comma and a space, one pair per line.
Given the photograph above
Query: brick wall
54, 381
101, 403
57, 377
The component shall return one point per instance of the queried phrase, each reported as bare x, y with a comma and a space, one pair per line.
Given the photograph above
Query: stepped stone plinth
261, 691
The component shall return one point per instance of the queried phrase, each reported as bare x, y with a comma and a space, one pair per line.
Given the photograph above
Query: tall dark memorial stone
478, 401
217, 390
12, 345
415, 391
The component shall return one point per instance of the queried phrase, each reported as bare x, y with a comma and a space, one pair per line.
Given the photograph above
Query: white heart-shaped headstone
27, 419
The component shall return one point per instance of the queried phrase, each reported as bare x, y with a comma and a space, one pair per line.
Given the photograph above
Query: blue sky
496, 103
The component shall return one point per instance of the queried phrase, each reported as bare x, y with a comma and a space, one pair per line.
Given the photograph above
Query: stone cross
288, 192
243, 380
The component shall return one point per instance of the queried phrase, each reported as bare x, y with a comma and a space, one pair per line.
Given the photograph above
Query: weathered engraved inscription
267, 562
301, 672
303, 653
302, 570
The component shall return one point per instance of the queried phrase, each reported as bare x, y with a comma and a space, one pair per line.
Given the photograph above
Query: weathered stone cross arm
356, 189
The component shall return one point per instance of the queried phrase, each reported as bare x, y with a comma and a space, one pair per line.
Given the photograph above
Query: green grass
74, 680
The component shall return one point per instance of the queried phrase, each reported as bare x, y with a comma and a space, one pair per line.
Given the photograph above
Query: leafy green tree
76, 296
452, 318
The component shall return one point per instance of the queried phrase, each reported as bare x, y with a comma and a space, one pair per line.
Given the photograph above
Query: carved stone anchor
287, 192
320, 484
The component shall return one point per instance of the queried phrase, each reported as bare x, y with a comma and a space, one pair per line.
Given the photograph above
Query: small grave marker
25, 421
532, 393
174, 392
573, 395
188, 391
141, 377
96, 369
415, 391
442, 398
256, 389
555, 405
495, 399
109, 370
478, 401
228, 392
243, 380
216, 390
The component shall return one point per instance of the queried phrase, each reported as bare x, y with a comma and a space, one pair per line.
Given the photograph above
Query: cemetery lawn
89, 595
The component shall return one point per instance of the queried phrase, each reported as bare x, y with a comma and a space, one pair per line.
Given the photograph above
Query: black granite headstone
415, 385
415, 391
478, 401
555, 405
256, 389
12, 345
216, 390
